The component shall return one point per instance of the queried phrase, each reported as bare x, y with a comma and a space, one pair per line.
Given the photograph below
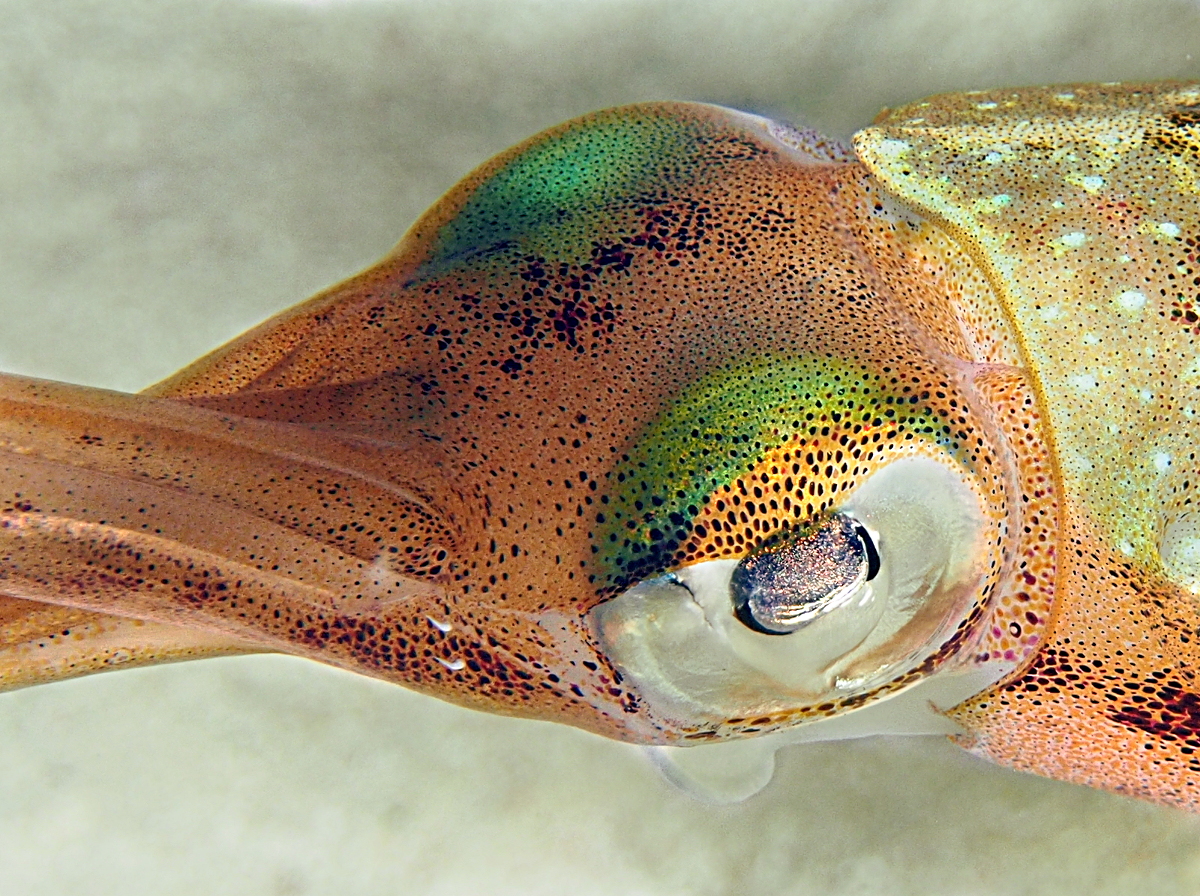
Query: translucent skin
644, 339
1080, 204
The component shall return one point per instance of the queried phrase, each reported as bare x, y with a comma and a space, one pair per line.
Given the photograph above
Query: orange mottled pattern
408, 475
659, 335
1111, 699
1080, 203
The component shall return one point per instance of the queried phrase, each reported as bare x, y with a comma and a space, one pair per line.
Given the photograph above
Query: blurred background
173, 172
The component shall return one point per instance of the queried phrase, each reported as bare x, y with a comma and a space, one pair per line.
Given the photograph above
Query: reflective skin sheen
683, 426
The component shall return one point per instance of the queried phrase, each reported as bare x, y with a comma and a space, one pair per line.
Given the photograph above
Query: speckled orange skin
432, 472
1080, 204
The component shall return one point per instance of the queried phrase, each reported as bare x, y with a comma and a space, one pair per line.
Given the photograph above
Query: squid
698, 431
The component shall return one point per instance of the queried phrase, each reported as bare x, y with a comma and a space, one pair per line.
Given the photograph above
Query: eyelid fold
679, 639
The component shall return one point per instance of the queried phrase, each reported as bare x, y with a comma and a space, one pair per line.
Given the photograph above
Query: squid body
695, 430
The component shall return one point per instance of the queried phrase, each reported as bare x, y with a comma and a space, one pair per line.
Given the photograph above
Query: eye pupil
784, 586
868, 542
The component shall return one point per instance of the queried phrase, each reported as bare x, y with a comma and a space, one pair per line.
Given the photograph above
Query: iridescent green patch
594, 177
722, 427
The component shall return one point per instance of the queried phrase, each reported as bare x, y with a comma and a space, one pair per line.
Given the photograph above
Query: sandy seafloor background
173, 172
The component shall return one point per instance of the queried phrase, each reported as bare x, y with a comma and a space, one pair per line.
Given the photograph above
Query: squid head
687, 428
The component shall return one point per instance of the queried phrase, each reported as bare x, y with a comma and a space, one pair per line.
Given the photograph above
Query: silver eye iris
785, 585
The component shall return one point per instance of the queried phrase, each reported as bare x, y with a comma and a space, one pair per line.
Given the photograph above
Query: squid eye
784, 586
864, 593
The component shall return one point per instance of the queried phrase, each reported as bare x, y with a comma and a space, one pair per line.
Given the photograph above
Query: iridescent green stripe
721, 428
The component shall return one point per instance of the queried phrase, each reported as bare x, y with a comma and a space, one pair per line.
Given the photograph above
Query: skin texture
433, 472
233, 171
1086, 230
446, 389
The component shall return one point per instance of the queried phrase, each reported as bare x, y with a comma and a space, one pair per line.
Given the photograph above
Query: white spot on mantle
994, 204
1132, 300
893, 149
1180, 552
